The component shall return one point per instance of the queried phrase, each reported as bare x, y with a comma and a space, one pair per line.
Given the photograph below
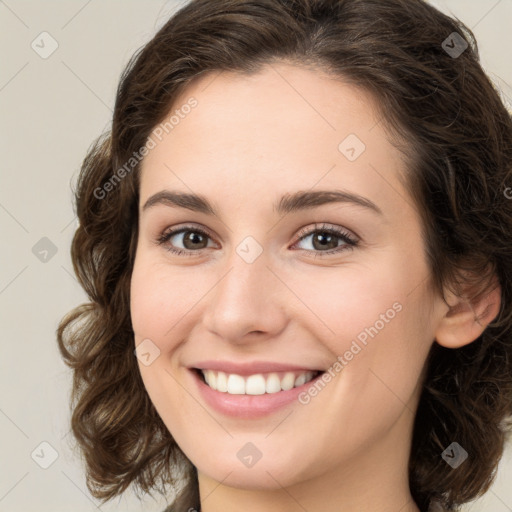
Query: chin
264, 478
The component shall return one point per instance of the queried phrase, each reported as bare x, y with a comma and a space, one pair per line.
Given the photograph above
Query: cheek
159, 299
374, 327
156, 308
374, 317
345, 304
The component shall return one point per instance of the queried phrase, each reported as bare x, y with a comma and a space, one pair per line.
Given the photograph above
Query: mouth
256, 384
252, 396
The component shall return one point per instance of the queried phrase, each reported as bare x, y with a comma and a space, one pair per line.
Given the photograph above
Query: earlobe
465, 321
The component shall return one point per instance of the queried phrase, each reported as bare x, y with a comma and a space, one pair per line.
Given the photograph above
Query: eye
194, 240
324, 237
327, 237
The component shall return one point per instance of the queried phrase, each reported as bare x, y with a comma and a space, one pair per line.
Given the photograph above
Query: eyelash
350, 242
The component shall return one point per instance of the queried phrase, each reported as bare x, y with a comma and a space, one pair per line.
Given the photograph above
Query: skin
250, 140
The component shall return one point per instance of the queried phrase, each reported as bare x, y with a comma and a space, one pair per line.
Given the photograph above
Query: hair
458, 146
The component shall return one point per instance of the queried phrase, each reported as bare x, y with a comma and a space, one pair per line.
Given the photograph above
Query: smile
247, 396
256, 384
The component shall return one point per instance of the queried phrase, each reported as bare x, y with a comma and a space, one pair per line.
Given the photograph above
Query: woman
340, 338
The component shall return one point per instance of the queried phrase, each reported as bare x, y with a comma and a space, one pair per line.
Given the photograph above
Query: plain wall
52, 109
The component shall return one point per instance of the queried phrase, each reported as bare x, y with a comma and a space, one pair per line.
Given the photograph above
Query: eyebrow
289, 203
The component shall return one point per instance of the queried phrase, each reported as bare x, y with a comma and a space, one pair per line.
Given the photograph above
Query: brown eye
326, 240
191, 238
194, 240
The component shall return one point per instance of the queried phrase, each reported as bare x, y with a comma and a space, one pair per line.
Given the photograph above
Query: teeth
221, 382
288, 381
301, 379
236, 385
257, 384
254, 385
273, 384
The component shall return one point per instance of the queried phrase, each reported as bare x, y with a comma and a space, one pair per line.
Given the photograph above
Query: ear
466, 320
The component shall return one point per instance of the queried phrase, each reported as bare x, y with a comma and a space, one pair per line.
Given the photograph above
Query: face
275, 282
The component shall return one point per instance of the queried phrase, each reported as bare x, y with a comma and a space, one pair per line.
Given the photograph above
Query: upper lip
250, 368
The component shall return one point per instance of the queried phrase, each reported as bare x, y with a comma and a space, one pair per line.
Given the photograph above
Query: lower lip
249, 406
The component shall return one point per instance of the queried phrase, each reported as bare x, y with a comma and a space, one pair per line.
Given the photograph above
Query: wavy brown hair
459, 154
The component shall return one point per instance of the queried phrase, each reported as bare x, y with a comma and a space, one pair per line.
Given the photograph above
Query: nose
247, 302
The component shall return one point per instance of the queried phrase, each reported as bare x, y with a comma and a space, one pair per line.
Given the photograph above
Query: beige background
52, 109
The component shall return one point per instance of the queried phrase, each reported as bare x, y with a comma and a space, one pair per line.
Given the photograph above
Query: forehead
307, 104
281, 128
